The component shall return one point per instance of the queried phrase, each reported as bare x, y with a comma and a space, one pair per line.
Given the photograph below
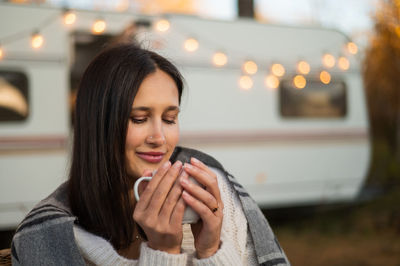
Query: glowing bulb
303, 67
325, 77
162, 25
99, 26
191, 45
278, 70
1, 53
328, 60
37, 41
69, 18
352, 47
245, 82
250, 67
220, 59
299, 82
271, 82
343, 63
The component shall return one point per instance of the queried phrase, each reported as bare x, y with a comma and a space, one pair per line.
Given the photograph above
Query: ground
358, 234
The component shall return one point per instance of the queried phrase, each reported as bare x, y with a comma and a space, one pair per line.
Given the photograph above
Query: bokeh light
191, 45
352, 47
99, 26
220, 59
162, 25
278, 70
271, 81
250, 67
325, 77
37, 40
303, 67
245, 82
299, 82
328, 60
343, 63
69, 18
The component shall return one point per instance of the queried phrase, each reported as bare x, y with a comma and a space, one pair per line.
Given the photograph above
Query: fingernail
177, 164
184, 181
194, 160
187, 165
166, 164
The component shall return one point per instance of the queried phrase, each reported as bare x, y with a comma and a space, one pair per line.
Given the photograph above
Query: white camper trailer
288, 146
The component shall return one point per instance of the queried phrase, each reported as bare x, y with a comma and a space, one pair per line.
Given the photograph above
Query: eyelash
141, 121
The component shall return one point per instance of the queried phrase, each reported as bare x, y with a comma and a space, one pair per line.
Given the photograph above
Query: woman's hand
207, 203
160, 209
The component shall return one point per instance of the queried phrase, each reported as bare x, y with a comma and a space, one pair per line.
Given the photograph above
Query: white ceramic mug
189, 216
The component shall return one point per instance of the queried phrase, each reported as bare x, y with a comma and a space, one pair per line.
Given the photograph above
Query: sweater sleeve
236, 247
99, 251
235, 236
149, 256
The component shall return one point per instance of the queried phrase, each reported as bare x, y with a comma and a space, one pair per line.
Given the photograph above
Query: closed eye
138, 120
170, 121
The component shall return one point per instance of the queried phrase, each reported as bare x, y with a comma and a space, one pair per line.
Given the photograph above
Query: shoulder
53, 207
46, 232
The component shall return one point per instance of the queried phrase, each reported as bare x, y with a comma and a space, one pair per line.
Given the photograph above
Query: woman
126, 126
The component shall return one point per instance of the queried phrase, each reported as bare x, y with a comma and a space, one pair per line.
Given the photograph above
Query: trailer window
316, 100
13, 96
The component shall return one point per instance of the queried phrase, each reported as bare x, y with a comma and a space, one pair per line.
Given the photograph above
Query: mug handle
136, 186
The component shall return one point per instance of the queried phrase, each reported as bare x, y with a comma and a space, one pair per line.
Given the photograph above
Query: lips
151, 157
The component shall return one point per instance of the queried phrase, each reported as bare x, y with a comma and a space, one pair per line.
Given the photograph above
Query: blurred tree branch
381, 71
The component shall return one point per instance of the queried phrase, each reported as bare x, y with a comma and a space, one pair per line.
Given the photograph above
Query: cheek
173, 136
134, 137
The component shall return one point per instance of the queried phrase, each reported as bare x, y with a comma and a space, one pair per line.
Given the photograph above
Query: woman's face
153, 128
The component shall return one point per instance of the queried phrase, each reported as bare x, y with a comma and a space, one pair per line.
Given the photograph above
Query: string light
99, 26
299, 82
325, 77
328, 60
278, 70
1, 53
352, 47
250, 67
303, 67
245, 82
343, 63
162, 25
220, 59
69, 18
37, 40
191, 45
271, 81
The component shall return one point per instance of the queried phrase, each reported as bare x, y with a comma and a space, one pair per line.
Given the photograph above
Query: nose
156, 135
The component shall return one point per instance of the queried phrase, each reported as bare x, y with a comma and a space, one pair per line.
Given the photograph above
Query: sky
354, 17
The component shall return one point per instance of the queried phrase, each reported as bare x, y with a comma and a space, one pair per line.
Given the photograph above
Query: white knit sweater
236, 248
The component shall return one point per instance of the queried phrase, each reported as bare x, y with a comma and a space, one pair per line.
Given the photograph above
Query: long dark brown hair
98, 182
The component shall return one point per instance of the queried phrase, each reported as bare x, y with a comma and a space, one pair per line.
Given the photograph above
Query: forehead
157, 88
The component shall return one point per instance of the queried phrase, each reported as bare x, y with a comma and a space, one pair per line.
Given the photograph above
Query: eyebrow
148, 109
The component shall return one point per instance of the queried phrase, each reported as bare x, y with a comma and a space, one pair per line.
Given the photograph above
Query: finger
164, 186
143, 185
199, 193
204, 212
202, 166
177, 213
209, 181
172, 198
145, 196
147, 172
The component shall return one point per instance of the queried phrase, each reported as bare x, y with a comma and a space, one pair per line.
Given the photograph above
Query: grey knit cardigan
45, 236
